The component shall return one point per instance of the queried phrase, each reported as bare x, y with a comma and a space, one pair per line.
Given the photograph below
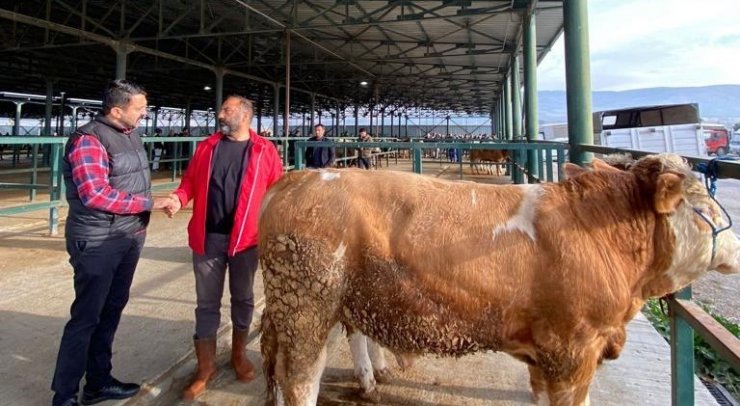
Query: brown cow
548, 273
497, 157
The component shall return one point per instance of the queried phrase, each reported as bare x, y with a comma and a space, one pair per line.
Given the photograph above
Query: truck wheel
721, 151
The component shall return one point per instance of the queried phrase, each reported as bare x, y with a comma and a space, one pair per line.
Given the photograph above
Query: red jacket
263, 169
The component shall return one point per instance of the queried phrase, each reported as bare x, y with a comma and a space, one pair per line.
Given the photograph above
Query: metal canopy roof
433, 55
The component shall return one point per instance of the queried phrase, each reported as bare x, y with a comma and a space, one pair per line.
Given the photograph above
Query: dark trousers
363, 163
210, 273
103, 271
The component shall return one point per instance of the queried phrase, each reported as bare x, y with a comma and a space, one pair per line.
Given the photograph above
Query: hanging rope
710, 170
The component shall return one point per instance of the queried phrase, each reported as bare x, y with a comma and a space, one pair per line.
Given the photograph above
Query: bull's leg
299, 373
358, 346
539, 385
380, 367
569, 386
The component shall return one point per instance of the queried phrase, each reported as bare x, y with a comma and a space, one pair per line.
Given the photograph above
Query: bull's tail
269, 349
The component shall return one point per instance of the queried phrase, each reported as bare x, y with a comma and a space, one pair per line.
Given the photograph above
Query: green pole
530, 89
578, 79
682, 356
516, 111
508, 123
56, 189
416, 151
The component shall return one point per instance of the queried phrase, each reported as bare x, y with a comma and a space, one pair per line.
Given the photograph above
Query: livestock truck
668, 128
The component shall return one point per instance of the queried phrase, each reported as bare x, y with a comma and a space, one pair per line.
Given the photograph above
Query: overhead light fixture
206, 88
363, 83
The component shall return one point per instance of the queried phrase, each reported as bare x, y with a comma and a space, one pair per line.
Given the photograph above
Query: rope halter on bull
710, 170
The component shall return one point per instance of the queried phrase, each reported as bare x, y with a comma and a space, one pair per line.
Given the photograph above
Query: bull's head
695, 219
692, 242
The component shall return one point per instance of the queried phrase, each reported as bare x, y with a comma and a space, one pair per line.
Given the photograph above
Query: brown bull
548, 273
496, 157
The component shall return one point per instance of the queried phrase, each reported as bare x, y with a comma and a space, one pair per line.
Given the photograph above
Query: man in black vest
106, 174
320, 157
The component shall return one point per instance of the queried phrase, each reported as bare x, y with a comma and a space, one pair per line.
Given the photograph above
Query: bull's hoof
372, 396
383, 376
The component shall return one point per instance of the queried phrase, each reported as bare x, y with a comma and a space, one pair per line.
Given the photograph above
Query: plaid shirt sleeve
90, 168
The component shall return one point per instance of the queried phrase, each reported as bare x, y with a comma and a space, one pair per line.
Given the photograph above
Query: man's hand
170, 205
174, 205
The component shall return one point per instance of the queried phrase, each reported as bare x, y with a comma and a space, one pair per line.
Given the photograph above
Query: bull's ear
572, 170
668, 192
600, 165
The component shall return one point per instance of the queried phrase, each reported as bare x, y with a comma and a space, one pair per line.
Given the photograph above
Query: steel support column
219, 88
516, 98
17, 122
121, 57
682, 356
313, 112
48, 107
508, 123
357, 119
530, 89
382, 122
578, 79
286, 112
276, 111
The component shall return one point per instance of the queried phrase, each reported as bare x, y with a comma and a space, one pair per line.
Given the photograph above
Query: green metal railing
45, 155
546, 153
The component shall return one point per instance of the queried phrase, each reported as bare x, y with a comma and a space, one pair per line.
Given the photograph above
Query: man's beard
226, 127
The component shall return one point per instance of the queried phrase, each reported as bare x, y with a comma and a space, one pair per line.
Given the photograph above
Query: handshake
170, 204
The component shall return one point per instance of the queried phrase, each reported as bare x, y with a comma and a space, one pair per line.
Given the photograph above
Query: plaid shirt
90, 168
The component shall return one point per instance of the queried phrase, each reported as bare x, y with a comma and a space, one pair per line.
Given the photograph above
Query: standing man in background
106, 174
227, 178
319, 157
365, 154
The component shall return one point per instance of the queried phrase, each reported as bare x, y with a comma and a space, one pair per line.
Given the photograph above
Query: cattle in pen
488, 159
548, 273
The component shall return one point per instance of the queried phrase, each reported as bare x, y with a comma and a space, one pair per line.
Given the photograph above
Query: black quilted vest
128, 172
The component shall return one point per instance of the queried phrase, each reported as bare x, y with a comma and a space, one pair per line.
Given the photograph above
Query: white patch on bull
339, 252
587, 401
326, 175
524, 218
317, 371
363, 367
542, 399
693, 247
474, 197
279, 398
376, 356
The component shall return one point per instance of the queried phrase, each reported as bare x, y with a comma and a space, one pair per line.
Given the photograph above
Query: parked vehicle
717, 138
668, 128
735, 145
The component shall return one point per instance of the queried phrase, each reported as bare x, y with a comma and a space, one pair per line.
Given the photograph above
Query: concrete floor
153, 345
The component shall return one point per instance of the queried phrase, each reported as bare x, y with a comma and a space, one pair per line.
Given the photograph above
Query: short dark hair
319, 125
362, 130
119, 93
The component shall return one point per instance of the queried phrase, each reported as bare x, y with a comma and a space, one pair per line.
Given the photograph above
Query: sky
655, 43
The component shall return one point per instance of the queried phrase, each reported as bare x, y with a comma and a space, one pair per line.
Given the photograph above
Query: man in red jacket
227, 178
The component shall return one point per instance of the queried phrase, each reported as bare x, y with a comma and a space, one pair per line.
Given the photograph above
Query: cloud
636, 44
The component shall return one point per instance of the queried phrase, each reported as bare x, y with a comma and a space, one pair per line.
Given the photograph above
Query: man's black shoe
69, 402
114, 390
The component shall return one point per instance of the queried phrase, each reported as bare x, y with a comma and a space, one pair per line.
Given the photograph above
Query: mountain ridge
717, 103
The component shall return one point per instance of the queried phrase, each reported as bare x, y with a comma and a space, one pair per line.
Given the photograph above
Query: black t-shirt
229, 162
